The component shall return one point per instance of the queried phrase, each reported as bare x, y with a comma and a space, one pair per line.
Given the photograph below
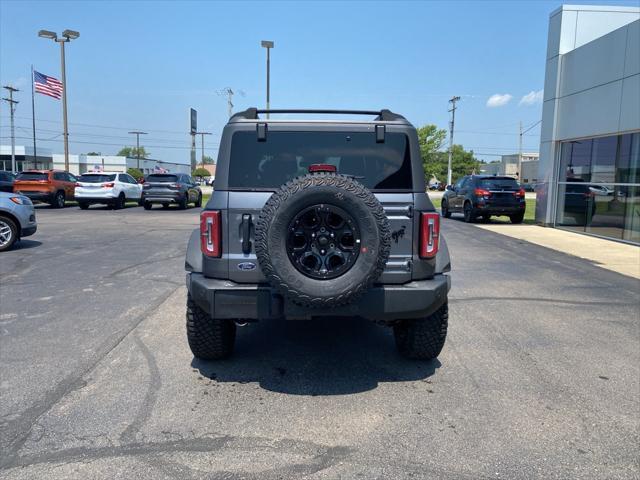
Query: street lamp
268, 45
66, 36
137, 134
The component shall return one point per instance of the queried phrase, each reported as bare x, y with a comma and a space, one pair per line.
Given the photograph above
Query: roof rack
381, 115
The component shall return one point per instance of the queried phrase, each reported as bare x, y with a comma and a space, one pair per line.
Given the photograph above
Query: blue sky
142, 65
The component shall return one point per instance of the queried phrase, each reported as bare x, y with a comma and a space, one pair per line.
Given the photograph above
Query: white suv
110, 188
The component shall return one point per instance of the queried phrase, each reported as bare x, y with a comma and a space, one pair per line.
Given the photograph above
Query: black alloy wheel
323, 241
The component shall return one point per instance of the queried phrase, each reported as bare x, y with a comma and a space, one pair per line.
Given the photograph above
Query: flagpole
33, 118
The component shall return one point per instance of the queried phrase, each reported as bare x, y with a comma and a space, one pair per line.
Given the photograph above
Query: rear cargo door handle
246, 232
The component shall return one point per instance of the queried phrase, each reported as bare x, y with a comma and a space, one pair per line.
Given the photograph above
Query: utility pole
268, 45
452, 101
203, 134
229, 93
12, 106
520, 154
522, 132
137, 134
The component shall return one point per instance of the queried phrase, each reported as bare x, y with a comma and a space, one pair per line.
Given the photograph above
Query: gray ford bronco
313, 219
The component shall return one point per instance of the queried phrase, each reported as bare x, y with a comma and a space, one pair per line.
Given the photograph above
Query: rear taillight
481, 192
429, 234
519, 193
174, 185
108, 185
210, 233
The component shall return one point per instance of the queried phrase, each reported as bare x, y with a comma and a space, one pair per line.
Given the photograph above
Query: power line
111, 144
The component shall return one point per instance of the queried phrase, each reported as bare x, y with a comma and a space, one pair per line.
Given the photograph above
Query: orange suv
48, 186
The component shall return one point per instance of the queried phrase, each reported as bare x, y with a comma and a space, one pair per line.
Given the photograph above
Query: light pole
268, 45
12, 105
67, 36
203, 134
137, 134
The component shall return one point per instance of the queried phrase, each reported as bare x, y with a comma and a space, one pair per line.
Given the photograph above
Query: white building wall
592, 84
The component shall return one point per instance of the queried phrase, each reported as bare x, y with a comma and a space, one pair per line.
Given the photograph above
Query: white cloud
499, 100
532, 98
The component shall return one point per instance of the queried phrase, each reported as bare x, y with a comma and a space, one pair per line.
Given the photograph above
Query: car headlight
21, 200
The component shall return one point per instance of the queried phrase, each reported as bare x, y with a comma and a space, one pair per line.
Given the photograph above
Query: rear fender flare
193, 260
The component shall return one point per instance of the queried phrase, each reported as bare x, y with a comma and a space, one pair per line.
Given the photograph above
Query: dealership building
79, 164
589, 168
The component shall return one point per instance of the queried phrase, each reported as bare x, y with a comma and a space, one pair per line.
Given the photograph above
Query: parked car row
55, 187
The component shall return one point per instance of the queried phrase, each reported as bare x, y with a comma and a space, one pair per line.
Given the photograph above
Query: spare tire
322, 240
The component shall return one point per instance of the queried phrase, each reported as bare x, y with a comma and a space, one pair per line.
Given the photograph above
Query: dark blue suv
481, 196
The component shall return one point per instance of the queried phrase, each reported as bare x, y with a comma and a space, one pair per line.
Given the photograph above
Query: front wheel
444, 209
422, 338
58, 200
517, 218
120, 201
469, 216
8, 233
209, 338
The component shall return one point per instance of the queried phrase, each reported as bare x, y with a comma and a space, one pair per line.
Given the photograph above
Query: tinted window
96, 178
287, 155
5, 177
33, 176
155, 177
498, 183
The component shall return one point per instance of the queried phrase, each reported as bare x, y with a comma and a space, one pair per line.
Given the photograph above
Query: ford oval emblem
246, 266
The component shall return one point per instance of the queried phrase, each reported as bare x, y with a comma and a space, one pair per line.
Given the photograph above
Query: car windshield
162, 178
33, 176
96, 178
498, 183
287, 155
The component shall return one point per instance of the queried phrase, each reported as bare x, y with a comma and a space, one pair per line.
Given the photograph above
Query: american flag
47, 85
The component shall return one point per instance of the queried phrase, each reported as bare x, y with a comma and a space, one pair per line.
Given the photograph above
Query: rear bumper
37, 196
87, 199
226, 299
162, 197
499, 209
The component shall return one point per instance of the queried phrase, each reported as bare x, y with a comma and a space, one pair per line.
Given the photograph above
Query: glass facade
599, 186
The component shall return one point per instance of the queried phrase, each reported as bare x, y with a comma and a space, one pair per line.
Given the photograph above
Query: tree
135, 173
431, 140
132, 152
201, 172
207, 160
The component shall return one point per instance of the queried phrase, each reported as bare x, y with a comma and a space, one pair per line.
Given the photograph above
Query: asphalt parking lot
540, 376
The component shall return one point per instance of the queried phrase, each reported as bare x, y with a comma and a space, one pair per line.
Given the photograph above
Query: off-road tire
444, 209
83, 205
469, 214
58, 200
209, 338
272, 230
6, 222
517, 218
422, 338
147, 205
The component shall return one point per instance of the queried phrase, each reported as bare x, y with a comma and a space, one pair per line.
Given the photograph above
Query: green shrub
135, 173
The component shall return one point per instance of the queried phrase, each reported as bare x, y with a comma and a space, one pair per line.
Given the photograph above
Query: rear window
33, 176
162, 178
498, 183
287, 155
96, 178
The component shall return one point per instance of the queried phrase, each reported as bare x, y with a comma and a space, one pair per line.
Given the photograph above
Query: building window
599, 189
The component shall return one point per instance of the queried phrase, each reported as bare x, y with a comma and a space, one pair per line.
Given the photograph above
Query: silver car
17, 219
